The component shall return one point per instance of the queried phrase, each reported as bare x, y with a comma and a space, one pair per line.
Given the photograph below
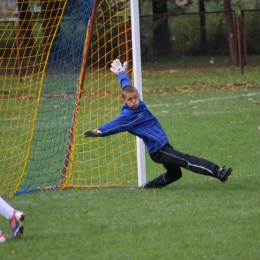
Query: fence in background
200, 39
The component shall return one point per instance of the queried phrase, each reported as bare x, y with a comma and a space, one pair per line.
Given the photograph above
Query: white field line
224, 98
206, 100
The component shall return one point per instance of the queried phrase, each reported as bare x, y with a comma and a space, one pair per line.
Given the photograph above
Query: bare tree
25, 16
161, 42
203, 41
51, 12
231, 30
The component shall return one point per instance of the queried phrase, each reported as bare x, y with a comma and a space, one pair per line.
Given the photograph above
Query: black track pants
173, 160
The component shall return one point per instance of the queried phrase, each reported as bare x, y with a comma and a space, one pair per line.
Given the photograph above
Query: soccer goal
55, 83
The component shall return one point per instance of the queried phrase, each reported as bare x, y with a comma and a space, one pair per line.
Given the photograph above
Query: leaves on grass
188, 80
199, 88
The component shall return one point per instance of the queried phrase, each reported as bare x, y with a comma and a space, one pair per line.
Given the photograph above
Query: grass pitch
197, 217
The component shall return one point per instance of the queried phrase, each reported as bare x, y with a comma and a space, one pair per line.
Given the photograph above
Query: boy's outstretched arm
119, 70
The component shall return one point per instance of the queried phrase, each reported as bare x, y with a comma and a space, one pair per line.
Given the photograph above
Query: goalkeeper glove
92, 133
117, 68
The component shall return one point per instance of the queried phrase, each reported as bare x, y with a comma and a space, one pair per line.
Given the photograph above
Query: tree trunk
161, 43
203, 40
143, 38
25, 28
51, 12
231, 31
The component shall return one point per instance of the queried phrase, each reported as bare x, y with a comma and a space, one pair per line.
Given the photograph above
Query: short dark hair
128, 89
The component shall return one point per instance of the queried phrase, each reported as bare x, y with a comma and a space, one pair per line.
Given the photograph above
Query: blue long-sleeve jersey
140, 122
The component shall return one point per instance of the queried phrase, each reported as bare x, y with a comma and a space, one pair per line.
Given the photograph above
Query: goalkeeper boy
136, 119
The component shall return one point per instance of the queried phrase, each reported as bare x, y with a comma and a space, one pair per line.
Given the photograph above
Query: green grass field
197, 217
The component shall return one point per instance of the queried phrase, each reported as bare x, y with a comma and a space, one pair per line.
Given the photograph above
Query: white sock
5, 209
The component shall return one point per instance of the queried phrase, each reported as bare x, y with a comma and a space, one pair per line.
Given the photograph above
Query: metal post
141, 165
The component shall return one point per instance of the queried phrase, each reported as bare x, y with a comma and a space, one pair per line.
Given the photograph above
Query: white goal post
137, 70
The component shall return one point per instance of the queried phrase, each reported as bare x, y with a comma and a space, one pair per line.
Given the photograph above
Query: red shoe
16, 223
2, 236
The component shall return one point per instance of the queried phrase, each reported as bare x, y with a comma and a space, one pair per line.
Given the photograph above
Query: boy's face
132, 99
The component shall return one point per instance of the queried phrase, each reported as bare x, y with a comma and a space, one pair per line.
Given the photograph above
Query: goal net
55, 83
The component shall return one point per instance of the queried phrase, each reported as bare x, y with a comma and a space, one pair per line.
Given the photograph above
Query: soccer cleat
163, 180
16, 223
2, 236
142, 186
223, 173
159, 182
